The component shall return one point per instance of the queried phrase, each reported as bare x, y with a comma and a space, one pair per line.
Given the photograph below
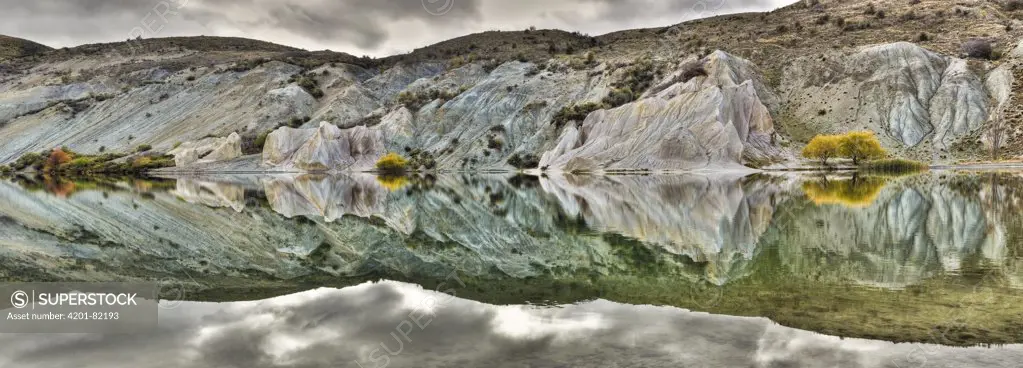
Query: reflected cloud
370, 325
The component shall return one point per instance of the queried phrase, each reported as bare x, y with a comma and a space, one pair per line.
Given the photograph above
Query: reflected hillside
714, 220
908, 231
757, 245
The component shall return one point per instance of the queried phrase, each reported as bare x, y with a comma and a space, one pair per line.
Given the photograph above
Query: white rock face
159, 114
324, 149
207, 150
713, 121
906, 92
701, 127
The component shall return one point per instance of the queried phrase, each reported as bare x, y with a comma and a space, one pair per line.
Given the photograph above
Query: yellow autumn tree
823, 147
392, 163
861, 145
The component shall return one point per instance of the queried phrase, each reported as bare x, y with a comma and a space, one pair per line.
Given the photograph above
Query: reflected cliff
818, 253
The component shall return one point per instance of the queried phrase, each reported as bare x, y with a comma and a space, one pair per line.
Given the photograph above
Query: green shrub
309, 84
978, 48
416, 100
636, 80
893, 166
527, 161
576, 113
494, 143
244, 66
27, 160
261, 139
619, 97
143, 148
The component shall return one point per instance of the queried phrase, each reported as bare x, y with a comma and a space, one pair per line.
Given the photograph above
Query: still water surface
935, 258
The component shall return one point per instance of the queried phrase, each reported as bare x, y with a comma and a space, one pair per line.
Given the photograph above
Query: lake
623, 270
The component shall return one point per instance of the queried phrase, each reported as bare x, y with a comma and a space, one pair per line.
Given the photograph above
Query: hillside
758, 85
13, 47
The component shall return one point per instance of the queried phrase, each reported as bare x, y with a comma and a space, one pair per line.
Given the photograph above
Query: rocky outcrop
493, 116
716, 121
326, 148
207, 150
901, 89
153, 106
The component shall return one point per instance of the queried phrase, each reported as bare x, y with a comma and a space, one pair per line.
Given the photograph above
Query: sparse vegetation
308, 83
521, 162
978, 48
416, 100
143, 148
893, 166
636, 80
61, 161
575, 113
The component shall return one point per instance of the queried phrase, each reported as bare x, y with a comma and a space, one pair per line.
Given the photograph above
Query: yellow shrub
856, 146
823, 147
861, 146
392, 162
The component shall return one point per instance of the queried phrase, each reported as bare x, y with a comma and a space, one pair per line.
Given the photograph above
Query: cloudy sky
373, 27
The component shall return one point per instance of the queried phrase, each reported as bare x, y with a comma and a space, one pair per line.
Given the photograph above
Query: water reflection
401, 325
827, 254
854, 192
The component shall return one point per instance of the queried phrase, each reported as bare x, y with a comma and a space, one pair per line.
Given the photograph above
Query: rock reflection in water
329, 197
728, 244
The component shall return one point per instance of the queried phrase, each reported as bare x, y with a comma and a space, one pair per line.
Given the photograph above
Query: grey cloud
377, 27
365, 23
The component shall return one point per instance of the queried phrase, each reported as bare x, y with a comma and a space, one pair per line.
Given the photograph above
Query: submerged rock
326, 148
